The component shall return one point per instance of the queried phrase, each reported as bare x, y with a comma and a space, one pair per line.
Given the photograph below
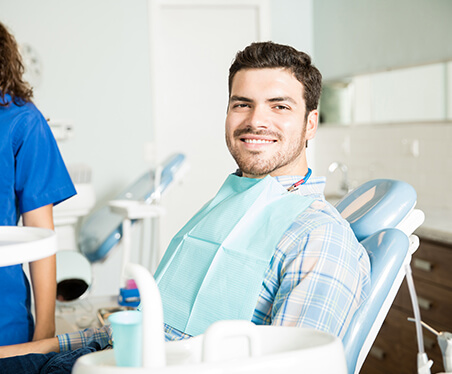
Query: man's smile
256, 138
258, 141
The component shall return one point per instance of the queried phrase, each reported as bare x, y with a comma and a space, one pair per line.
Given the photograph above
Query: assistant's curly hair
262, 55
11, 71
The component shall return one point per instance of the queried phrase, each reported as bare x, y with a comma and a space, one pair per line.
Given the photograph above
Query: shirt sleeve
320, 282
80, 339
103, 336
41, 177
173, 334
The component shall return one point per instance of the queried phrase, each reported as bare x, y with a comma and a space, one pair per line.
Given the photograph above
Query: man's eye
282, 107
242, 105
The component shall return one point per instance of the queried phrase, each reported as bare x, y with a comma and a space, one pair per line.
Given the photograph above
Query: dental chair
381, 213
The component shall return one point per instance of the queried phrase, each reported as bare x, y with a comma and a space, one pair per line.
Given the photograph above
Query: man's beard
251, 163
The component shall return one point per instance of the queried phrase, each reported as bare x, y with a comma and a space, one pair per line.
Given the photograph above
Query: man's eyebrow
283, 98
240, 98
272, 100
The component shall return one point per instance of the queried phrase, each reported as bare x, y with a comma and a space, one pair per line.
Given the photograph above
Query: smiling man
268, 247
318, 274
273, 96
267, 123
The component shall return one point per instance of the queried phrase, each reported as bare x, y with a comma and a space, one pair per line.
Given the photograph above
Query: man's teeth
258, 141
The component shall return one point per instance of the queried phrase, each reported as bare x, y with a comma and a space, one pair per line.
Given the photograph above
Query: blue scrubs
33, 175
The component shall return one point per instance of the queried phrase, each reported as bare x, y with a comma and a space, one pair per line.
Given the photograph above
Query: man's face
265, 125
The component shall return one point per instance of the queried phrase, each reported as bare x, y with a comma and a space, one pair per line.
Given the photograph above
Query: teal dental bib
214, 267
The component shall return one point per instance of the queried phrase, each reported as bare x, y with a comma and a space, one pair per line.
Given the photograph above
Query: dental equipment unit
24, 244
226, 347
102, 229
97, 235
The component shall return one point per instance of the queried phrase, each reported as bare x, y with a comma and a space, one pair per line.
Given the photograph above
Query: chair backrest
380, 213
376, 205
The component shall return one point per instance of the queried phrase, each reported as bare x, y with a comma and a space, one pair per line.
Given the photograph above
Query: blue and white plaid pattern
318, 276
103, 336
79, 339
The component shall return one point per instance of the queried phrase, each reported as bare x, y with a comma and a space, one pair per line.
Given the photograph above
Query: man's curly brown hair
11, 71
262, 55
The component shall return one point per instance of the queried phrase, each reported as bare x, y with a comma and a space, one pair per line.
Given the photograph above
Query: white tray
23, 244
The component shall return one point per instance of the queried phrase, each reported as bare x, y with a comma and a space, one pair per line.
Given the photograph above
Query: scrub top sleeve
41, 176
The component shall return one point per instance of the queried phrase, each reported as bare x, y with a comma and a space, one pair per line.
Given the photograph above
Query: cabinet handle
429, 343
377, 352
422, 264
424, 303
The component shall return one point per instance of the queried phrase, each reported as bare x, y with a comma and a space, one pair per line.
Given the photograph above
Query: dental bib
214, 267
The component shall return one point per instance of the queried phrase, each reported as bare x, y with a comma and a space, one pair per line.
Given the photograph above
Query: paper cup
127, 338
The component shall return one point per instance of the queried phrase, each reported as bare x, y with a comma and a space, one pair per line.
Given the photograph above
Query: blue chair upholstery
374, 211
376, 205
387, 250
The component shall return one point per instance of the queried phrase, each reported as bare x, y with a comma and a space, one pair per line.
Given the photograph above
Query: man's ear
311, 124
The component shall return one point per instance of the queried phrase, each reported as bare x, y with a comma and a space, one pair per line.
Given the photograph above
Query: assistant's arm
62, 343
40, 346
43, 277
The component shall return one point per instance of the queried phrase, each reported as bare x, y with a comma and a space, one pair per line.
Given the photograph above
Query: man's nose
258, 117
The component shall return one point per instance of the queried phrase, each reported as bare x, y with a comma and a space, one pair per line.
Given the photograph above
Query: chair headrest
376, 205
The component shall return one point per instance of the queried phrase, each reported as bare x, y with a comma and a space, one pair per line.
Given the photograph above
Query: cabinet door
395, 349
193, 44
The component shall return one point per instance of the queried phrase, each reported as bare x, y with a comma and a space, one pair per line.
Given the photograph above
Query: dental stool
381, 214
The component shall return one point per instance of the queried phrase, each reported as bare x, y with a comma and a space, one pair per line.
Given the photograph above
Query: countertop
437, 225
82, 313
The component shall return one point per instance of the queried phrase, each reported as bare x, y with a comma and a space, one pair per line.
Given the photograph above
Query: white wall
95, 61
401, 129
293, 24
417, 153
356, 37
96, 74
402, 122
95, 57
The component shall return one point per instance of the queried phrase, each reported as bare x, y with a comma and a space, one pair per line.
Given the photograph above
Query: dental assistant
33, 179
314, 273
